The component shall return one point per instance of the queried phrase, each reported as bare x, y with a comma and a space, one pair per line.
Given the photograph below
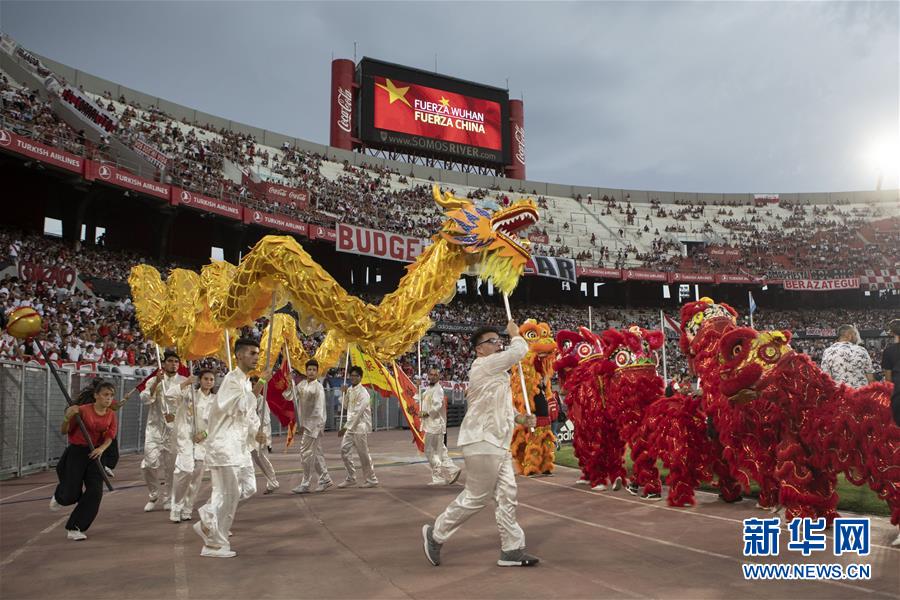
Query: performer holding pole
229, 421
484, 437
311, 396
259, 453
434, 426
91, 429
162, 395
191, 431
521, 372
356, 431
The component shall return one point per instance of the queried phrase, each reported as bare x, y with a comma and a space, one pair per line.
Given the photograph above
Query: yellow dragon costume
192, 311
533, 453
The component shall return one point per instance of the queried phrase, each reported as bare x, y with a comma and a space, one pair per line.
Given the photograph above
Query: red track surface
367, 543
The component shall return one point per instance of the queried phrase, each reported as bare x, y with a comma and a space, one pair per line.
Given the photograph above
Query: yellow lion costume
533, 452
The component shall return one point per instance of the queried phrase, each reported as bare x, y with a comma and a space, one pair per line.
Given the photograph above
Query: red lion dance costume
825, 428
580, 365
534, 452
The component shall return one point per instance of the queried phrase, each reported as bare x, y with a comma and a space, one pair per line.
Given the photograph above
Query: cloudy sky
719, 96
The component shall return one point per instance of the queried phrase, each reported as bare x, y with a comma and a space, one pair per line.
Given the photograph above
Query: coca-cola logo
519, 135
5, 138
345, 103
185, 197
104, 172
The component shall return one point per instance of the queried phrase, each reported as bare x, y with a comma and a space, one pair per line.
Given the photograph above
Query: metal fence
32, 409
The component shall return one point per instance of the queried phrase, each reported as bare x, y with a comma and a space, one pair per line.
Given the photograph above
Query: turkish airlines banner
643, 275
272, 221
46, 154
551, 266
736, 279
205, 203
317, 232
428, 112
694, 277
599, 272
821, 285
380, 244
119, 177
285, 195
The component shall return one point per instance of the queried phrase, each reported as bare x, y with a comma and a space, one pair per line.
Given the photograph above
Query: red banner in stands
380, 244
643, 275
821, 285
52, 156
599, 272
317, 232
119, 177
539, 238
60, 277
724, 251
694, 277
200, 202
285, 195
280, 222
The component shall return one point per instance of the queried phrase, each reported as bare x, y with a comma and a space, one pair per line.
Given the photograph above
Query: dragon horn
447, 201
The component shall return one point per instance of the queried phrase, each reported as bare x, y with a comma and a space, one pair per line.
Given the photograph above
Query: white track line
9, 559
40, 487
181, 582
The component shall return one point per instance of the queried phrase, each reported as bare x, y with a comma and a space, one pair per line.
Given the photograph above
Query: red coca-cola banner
644, 275
317, 232
121, 178
693, 277
599, 272
380, 244
724, 251
343, 73
539, 238
56, 275
46, 154
285, 195
205, 203
272, 221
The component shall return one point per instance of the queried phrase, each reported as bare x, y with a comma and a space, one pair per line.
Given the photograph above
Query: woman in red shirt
80, 481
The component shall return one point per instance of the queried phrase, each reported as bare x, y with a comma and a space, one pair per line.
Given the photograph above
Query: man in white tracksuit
230, 420
191, 429
259, 454
311, 397
434, 426
162, 395
357, 403
484, 438
246, 472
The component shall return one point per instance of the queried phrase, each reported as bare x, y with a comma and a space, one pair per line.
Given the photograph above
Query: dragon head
539, 337
575, 348
632, 348
491, 236
746, 356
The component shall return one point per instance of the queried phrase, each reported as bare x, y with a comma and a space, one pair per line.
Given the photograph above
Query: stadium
101, 178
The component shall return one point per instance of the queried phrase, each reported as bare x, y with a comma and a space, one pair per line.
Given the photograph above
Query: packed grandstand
195, 184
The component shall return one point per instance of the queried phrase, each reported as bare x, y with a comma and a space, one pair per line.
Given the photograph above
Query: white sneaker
370, 484
54, 505
301, 489
896, 541
582, 482
150, 506
217, 552
167, 505
175, 518
186, 516
109, 472
272, 488
324, 486
74, 534
617, 484
600, 487
346, 483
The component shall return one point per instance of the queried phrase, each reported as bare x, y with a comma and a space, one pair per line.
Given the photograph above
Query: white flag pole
750, 302
228, 348
525, 397
343, 394
590, 318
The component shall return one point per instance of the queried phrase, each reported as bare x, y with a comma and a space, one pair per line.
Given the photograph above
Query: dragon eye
622, 358
531, 334
584, 349
737, 350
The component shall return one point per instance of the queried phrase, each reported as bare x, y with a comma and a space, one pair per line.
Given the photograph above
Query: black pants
81, 483
110, 457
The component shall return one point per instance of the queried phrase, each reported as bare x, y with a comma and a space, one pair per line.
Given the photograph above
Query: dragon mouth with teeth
508, 222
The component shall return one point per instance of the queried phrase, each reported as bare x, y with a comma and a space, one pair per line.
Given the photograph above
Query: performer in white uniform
434, 426
246, 472
311, 396
484, 437
162, 395
357, 403
191, 430
227, 449
261, 449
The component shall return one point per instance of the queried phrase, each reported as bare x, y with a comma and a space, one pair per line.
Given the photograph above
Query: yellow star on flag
395, 93
444, 101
